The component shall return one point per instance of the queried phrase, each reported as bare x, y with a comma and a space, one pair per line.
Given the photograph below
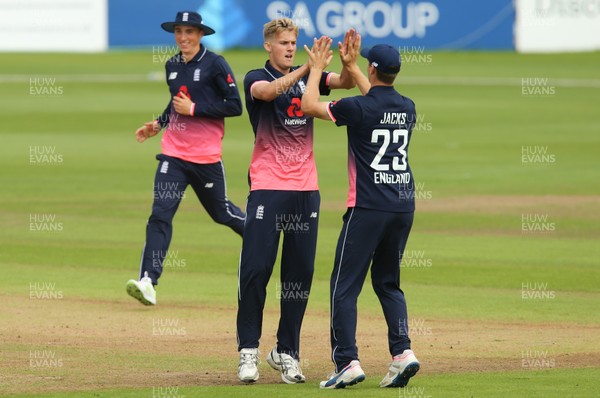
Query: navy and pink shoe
348, 376
402, 368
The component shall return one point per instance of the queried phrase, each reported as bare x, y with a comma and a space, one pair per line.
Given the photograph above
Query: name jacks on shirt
393, 118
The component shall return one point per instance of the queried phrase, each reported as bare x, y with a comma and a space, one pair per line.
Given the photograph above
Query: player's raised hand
354, 46
316, 43
321, 54
309, 52
348, 55
148, 130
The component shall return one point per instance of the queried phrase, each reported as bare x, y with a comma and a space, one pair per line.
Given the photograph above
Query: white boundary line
495, 81
409, 80
99, 78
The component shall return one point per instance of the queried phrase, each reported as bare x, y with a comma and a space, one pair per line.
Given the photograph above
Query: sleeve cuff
193, 109
252, 86
328, 78
329, 112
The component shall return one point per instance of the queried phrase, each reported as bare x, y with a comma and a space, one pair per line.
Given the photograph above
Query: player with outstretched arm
380, 204
284, 198
203, 93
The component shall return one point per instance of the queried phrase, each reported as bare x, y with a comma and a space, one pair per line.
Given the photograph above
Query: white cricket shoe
402, 368
287, 366
142, 290
348, 376
248, 368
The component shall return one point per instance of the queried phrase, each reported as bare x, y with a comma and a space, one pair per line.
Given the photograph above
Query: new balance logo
260, 212
197, 75
172, 75
209, 185
313, 214
165, 167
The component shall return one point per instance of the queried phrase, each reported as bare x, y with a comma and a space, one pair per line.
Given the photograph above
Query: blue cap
384, 58
187, 18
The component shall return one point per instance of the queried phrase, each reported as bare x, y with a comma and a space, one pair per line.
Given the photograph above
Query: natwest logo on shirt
295, 111
184, 90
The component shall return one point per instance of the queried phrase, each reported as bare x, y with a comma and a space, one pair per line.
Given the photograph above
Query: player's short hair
387, 78
275, 26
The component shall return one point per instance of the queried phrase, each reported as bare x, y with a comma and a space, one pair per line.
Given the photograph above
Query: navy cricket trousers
269, 214
172, 178
377, 237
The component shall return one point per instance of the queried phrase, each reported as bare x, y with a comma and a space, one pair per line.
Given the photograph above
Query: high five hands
350, 48
320, 55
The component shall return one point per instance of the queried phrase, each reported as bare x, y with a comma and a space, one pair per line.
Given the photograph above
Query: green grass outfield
476, 191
